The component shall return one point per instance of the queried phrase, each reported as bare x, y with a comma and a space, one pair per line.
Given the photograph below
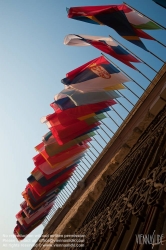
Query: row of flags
127, 22
89, 91
78, 109
104, 44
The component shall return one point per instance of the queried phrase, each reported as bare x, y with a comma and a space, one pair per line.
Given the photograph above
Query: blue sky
33, 60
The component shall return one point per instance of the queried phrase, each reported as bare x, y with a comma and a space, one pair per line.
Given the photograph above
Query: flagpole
126, 73
155, 56
145, 16
159, 42
134, 54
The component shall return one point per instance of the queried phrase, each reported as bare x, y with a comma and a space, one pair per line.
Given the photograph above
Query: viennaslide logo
153, 239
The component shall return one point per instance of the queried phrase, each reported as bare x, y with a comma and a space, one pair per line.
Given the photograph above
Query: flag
105, 44
64, 102
37, 173
161, 3
56, 119
45, 168
55, 148
21, 233
124, 20
57, 158
35, 201
65, 134
29, 212
98, 74
94, 86
27, 221
137, 20
63, 106
80, 98
60, 180
44, 181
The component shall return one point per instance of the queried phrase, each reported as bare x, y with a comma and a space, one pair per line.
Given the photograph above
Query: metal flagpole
85, 164
94, 147
88, 161
145, 16
124, 72
90, 157
98, 142
65, 194
107, 127
83, 167
134, 54
72, 188
77, 174
155, 56
138, 71
92, 153
101, 137
80, 169
117, 114
62, 199
126, 98
113, 120
105, 132
122, 106
73, 180
67, 191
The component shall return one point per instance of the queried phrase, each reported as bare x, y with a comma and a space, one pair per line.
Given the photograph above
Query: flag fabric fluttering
61, 103
105, 44
97, 75
161, 3
40, 190
80, 98
55, 148
44, 181
62, 148
90, 91
127, 22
